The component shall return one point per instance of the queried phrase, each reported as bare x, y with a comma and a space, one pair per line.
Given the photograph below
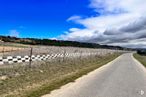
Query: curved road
123, 77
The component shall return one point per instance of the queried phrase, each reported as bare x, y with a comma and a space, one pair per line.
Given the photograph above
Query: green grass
47, 76
140, 58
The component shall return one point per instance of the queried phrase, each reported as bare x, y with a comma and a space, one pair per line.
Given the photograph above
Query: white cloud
74, 18
79, 35
74, 29
14, 33
119, 21
112, 6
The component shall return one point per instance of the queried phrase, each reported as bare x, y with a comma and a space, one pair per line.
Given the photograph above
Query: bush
141, 52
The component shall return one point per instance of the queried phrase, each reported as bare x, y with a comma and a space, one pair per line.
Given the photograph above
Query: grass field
9, 49
141, 58
22, 81
21, 50
13, 44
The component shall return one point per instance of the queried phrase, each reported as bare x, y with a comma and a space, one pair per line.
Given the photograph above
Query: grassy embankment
21, 81
140, 58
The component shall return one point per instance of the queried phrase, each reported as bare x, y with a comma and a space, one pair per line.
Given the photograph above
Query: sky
110, 22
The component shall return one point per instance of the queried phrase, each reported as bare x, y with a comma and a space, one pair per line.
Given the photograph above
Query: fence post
3, 51
30, 60
80, 55
64, 53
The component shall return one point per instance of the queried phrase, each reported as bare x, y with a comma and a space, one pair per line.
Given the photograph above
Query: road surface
123, 77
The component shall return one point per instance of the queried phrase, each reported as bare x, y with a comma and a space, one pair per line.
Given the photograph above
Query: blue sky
112, 22
40, 18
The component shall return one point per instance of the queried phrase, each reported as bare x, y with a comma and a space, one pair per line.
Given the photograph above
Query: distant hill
35, 41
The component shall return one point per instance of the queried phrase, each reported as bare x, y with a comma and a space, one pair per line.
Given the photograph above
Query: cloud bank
121, 22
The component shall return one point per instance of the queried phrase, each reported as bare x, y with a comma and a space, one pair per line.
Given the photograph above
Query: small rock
41, 71
4, 77
17, 74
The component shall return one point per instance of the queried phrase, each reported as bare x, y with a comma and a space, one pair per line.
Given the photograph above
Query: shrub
141, 52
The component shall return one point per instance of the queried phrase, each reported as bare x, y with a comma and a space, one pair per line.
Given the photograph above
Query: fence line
28, 58
33, 54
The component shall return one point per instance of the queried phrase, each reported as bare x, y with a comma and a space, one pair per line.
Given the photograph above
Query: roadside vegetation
43, 77
141, 58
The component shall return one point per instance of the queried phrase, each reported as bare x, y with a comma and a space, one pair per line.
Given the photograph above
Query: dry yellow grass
41, 78
9, 48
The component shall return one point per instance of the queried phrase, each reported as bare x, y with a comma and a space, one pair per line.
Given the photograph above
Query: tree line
48, 42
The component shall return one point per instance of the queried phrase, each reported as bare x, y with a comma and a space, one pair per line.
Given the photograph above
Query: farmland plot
39, 50
48, 52
9, 49
71, 63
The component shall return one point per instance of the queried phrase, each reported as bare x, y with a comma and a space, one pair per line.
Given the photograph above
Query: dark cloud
121, 37
112, 32
135, 26
134, 45
126, 35
133, 31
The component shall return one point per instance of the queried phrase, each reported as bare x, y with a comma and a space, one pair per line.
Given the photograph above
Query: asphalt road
123, 77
